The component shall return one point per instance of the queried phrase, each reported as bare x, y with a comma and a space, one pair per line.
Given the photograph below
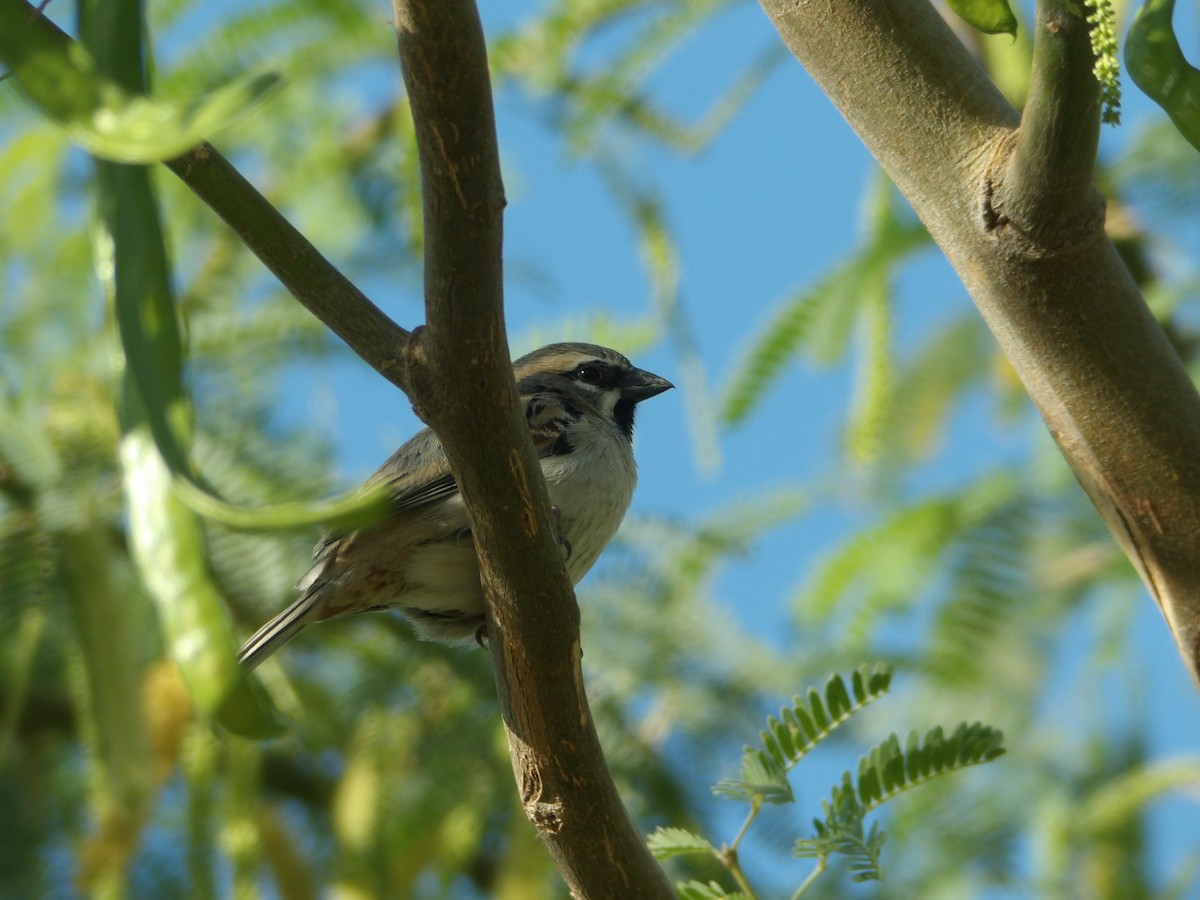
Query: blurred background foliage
393, 780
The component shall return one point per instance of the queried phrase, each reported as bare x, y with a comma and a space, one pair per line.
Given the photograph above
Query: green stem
811, 879
755, 807
728, 855
735, 869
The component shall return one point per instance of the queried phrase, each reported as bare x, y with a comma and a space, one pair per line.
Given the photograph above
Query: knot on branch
1037, 231
414, 360
546, 817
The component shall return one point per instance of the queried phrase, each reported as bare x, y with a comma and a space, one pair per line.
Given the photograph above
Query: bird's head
598, 377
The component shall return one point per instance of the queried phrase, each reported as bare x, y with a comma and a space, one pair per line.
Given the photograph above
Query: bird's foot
563, 543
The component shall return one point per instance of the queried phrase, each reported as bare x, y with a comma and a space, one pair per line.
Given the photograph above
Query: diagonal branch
309, 277
1017, 215
463, 386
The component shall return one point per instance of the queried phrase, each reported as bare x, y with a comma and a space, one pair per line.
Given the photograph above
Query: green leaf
27, 456
887, 770
950, 362
875, 377
61, 78
1125, 797
884, 772
1157, 65
841, 832
358, 507
884, 567
168, 546
150, 335
166, 539
762, 780
105, 624
667, 842
988, 16
660, 256
149, 130
809, 720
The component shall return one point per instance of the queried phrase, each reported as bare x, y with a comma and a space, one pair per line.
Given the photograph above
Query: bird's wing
417, 474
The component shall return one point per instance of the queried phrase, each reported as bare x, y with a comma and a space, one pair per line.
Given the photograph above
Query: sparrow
579, 401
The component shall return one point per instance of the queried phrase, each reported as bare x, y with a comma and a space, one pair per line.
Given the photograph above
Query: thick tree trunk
1011, 201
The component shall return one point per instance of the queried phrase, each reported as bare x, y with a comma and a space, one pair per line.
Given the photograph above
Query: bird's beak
639, 385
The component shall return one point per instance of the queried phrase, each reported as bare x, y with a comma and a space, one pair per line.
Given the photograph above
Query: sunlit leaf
1157, 65
60, 77
667, 842
988, 16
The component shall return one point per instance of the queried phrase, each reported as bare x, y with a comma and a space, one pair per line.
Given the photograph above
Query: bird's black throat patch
623, 414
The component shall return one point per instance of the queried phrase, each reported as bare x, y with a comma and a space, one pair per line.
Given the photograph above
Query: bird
579, 401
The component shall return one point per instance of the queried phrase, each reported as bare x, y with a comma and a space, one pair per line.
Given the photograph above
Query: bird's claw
481, 636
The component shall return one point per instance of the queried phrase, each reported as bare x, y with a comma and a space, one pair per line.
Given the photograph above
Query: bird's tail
277, 632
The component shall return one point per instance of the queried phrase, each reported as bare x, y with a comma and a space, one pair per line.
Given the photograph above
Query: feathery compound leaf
763, 780
887, 770
660, 255
837, 698
884, 772
668, 842
871, 683
950, 362
26, 563
875, 377
779, 342
28, 458
884, 567
820, 318
842, 832
989, 587
809, 720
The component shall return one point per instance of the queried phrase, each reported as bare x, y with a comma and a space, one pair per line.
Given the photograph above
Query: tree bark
463, 387
1011, 201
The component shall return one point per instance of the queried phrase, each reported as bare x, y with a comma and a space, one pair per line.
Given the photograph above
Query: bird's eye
588, 374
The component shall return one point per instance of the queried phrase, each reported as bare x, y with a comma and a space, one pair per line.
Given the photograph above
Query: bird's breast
592, 488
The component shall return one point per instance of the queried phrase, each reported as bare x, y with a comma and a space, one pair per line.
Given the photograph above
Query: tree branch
1017, 216
300, 267
1050, 180
463, 386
